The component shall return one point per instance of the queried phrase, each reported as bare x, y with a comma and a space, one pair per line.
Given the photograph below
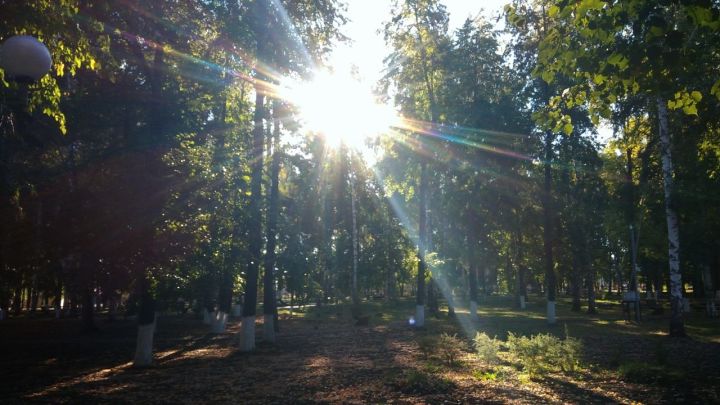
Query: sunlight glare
339, 108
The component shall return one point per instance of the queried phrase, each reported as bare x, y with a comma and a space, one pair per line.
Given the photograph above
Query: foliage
487, 348
545, 352
450, 348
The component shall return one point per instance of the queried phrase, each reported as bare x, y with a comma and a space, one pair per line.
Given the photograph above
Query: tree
615, 51
417, 33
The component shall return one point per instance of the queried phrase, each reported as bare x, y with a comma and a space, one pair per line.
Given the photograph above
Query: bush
487, 348
544, 352
450, 348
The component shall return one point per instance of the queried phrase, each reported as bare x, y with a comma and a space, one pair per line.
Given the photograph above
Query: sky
368, 49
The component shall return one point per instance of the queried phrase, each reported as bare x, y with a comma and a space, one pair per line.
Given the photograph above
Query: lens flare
339, 108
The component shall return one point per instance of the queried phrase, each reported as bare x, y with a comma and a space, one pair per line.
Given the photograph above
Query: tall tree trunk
677, 326
472, 282
17, 299
432, 296
247, 339
420, 293
354, 238
592, 308
88, 311
269, 302
548, 231
576, 287
58, 297
146, 326
522, 287
224, 302
634, 237
218, 318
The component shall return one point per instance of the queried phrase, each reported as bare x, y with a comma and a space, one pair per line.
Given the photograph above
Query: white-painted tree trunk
420, 316
522, 302
219, 322
551, 313
677, 326
143, 351
473, 310
207, 317
269, 328
247, 334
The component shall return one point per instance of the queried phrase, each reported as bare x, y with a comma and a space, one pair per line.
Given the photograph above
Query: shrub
487, 348
544, 352
450, 348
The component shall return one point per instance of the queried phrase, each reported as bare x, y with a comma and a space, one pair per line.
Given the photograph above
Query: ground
321, 356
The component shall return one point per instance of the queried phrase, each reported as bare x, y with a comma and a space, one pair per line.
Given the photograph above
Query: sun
339, 108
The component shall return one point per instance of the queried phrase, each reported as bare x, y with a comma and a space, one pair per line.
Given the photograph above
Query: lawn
322, 356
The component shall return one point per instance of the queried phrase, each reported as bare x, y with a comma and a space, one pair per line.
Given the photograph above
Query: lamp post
24, 60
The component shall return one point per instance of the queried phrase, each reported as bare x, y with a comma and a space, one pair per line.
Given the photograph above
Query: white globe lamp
24, 59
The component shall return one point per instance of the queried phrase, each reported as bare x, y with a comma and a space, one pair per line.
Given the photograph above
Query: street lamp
24, 59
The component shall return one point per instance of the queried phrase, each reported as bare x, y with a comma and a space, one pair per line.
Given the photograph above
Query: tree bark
677, 326
548, 231
353, 208
269, 301
88, 311
592, 308
247, 337
146, 327
472, 282
255, 225
420, 293
576, 287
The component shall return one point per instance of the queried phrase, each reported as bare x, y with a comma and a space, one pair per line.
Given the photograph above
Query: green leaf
548, 76
690, 109
553, 10
715, 90
619, 60
568, 128
587, 5
696, 95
